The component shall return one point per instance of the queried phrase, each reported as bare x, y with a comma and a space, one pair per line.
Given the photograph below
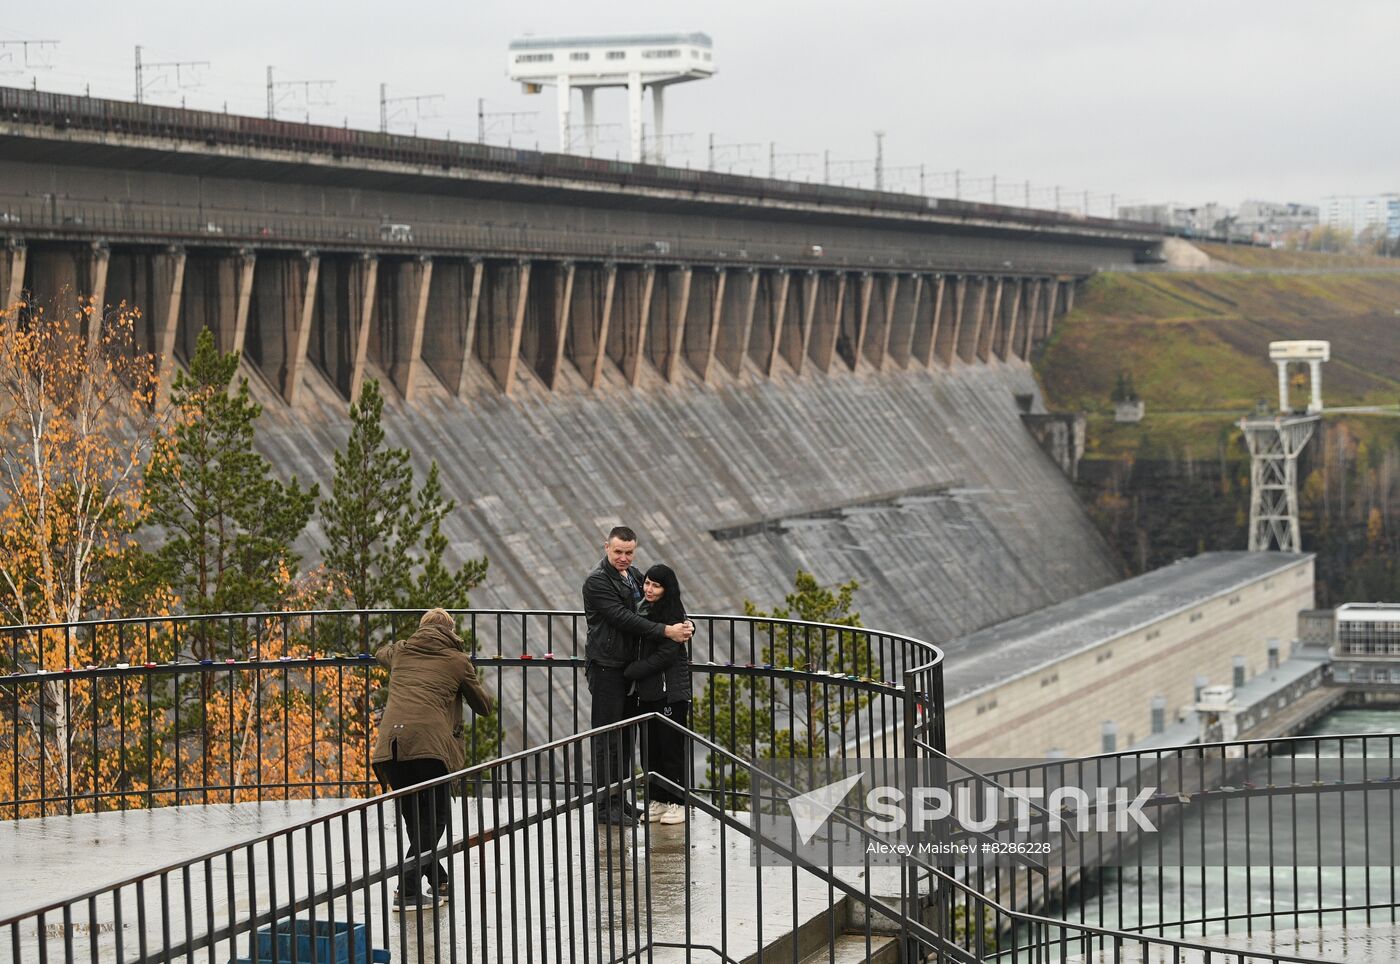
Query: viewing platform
597, 870
161, 865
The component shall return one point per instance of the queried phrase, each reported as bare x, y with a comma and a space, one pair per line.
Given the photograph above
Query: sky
1127, 101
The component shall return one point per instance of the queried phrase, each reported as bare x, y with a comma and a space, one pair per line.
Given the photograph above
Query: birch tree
76, 423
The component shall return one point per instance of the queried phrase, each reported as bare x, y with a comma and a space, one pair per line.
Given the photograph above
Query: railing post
911, 756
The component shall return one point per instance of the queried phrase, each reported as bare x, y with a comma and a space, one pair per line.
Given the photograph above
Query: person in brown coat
420, 738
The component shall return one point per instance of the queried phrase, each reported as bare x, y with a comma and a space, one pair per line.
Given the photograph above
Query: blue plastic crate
336, 942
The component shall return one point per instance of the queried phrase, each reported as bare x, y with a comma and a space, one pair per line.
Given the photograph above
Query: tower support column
565, 95
12, 260
169, 269
658, 123
100, 262
590, 129
634, 114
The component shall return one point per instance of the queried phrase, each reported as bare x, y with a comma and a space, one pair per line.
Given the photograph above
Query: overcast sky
1192, 101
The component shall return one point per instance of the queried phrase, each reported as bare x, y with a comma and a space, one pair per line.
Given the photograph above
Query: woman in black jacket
661, 674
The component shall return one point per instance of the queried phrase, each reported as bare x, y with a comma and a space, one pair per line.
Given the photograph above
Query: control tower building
634, 62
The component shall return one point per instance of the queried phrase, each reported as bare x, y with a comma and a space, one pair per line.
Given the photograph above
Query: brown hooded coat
429, 676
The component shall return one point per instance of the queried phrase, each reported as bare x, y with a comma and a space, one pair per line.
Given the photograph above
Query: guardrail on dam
756, 374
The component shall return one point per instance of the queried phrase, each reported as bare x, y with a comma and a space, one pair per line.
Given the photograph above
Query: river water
1217, 899
1357, 721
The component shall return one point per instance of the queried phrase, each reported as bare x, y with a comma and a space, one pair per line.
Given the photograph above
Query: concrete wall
923, 485
746, 421
1063, 703
749, 424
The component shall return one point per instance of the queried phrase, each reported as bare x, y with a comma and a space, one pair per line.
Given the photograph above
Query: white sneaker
656, 811
675, 814
402, 905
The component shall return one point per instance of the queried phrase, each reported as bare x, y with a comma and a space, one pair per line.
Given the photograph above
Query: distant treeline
1154, 511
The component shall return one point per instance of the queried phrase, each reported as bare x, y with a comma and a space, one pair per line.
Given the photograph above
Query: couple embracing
638, 661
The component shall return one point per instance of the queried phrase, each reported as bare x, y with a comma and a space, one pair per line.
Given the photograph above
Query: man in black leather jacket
611, 594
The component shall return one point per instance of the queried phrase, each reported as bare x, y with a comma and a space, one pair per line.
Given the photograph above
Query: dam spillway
922, 485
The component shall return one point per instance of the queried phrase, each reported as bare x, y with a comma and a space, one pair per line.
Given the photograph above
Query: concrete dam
922, 485
757, 375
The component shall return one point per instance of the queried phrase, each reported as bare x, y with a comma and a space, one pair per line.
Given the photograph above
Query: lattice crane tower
635, 62
1275, 442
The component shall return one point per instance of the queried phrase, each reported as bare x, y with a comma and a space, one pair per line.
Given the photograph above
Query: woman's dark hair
669, 608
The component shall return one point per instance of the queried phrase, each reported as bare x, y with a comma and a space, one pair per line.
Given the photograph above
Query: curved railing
156, 711
592, 894
152, 712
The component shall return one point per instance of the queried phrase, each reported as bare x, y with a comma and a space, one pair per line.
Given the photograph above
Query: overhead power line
308, 87
184, 74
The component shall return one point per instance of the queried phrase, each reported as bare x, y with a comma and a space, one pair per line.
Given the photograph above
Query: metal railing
1285, 832
530, 874
145, 713
948, 919
115, 714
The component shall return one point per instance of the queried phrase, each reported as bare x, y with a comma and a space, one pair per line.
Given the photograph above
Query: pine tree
385, 544
1123, 389
375, 523
1120, 388
755, 719
368, 521
228, 523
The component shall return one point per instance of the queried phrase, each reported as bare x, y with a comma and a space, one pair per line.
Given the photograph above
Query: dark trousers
666, 748
424, 817
612, 753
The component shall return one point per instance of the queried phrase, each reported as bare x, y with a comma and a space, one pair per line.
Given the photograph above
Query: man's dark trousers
425, 818
612, 753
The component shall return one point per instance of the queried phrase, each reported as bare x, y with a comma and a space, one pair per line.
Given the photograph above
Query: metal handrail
164, 669
950, 881
912, 701
474, 611
1044, 932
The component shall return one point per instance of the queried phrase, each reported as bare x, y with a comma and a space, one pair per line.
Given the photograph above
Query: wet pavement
539, 893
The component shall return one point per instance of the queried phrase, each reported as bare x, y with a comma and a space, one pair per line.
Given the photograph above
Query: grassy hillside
1196, 346
1198, 343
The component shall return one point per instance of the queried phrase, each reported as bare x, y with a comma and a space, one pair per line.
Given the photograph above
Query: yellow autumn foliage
77, 422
